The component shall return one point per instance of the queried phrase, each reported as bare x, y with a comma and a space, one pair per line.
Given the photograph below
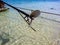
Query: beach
14, 29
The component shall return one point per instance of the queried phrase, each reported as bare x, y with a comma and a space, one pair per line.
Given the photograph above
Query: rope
21, 15
41, 11
27, 22
50, 19
50, 13
44, 12
25, 9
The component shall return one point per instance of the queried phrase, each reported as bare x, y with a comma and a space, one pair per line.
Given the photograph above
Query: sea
44, 5
15, 31
51, 6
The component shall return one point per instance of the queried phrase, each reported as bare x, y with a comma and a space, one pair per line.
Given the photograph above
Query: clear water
15, 31
39, 5
43, 6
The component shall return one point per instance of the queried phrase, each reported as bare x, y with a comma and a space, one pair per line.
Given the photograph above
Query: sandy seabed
15, 31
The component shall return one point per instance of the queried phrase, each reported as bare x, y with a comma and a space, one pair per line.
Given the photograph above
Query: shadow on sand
4, 39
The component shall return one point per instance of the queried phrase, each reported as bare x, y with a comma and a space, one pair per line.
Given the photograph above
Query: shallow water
15, 31
42, 6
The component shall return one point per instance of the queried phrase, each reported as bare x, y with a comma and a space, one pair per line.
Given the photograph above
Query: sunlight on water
15, 31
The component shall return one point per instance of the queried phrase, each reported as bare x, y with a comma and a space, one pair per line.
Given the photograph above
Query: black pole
17, 9
21, 15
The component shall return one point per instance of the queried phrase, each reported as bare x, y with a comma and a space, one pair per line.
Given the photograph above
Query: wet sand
14, 28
